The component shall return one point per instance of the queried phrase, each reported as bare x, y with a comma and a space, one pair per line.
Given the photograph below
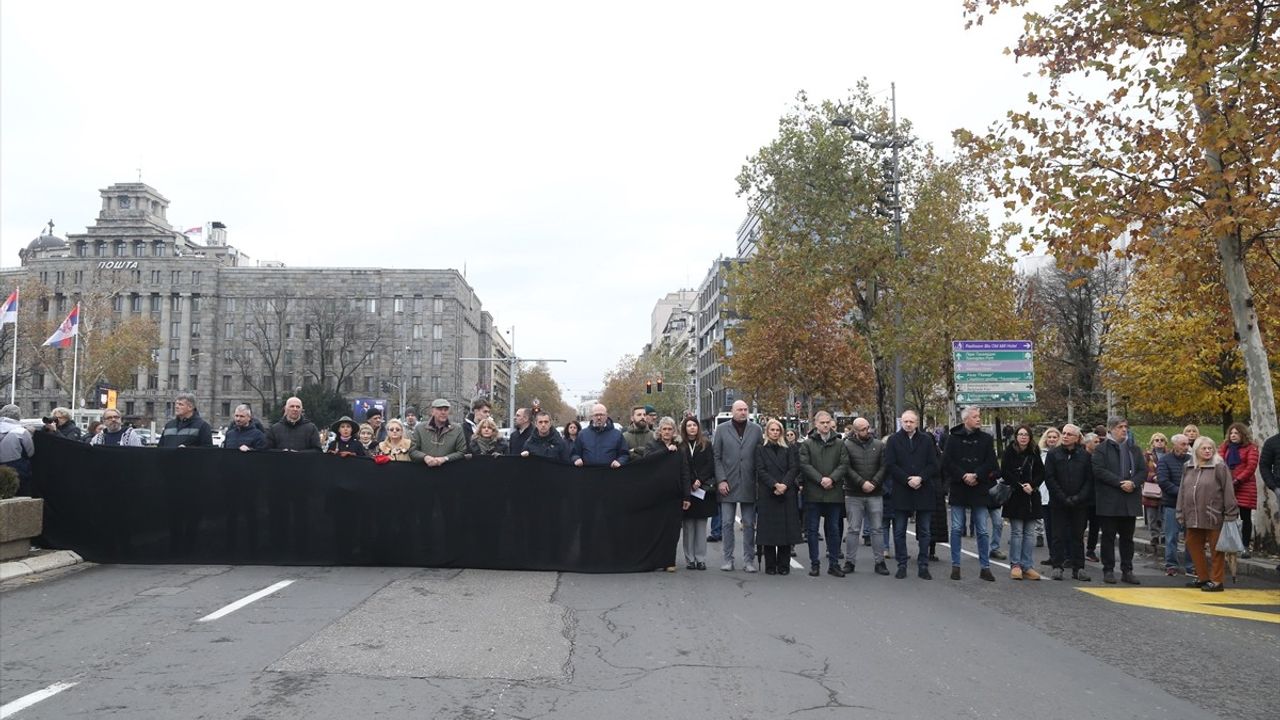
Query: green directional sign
994, 373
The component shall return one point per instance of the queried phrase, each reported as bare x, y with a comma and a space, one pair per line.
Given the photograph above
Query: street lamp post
889, 204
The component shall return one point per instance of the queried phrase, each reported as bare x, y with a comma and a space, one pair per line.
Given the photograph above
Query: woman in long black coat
1023, 470
777, 525
699, 478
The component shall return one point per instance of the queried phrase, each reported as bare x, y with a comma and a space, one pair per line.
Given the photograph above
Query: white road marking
245, 601
796, 565
27, 701
967, 552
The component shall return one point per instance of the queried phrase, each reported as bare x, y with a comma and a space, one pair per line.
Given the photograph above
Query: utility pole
513, 363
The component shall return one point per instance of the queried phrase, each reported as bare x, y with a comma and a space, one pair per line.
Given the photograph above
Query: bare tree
260, 356
344, 339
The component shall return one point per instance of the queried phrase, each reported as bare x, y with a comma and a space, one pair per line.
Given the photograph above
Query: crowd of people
1071, 487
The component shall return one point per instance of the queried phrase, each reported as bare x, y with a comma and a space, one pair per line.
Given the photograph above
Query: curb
1248, 568
39, 564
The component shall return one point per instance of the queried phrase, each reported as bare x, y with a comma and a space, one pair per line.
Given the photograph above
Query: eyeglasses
1159, 440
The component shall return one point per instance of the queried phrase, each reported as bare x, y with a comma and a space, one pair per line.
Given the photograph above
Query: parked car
218, 438
148, 438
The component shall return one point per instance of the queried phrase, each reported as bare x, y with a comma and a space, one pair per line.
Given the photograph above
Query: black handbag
1000, 492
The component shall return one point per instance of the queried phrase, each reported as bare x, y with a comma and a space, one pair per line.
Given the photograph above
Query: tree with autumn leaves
817, 298
1173, 140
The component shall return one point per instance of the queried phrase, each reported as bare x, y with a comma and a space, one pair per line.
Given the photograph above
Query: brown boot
1030, 574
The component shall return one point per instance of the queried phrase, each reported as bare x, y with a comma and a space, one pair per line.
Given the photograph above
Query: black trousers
1066, 538
776, 557
1123, 526
1246, 526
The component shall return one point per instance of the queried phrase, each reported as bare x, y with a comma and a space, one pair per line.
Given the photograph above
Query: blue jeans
715, 526
997, 528
900, 537
1171, 530
830, 513
981, 525
1022, 544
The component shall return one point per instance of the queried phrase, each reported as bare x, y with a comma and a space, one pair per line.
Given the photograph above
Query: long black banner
212, 506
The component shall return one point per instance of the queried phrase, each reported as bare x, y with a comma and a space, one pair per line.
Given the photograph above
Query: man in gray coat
734, 447
864, 494
1119, 469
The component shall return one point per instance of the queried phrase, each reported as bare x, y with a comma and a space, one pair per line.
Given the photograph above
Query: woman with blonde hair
1205, 501
777, 524
1152, 513
1049, 439
487, 441
396, 446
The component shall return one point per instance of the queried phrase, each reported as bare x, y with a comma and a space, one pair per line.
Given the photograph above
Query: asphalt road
406, 642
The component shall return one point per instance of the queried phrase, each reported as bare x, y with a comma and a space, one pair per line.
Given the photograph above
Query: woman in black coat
665, 441
1023, 470
777, 525
699, 477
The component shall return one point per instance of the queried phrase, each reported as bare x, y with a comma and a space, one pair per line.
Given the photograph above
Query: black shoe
815, 571
1091, 556
997, 555
835, 571
712, 538
1196, 583
902, 572
691, 566
986, 575
1047, 562
771, 571
1108, 577
784, 570
702, 566
1039, 542
848, 568
933, 557
955, 572
1057, 574
1211, 586
881, 569
924, 574
1129, 579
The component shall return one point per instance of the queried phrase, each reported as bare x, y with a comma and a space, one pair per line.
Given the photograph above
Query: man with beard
638, 435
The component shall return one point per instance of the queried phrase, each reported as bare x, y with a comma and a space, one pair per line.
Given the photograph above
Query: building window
288, 358
437, 304
308, 357
173, 329
173, 353
37, 382
153, 383
129, 407
417, 332
195, 382
175, 277
416, 381
195, 329
151, 409
266, 381
228, 355
229, 304
139, 250
229, 331
195, 304
59, 277
195, 277
306, 333
226, 409
288, 330
437, 358
121, 250
117, 303
435, 384
437, 331
399, 304
98, 249
175, 303
418, 304
135, 303
373, 305
158, 250
77, 277
155, 303
155, 277
226, 383
81, 250
368, 383
349, 383
173, 385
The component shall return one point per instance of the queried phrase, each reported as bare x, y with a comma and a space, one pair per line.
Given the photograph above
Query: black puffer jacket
969, 451
301, 435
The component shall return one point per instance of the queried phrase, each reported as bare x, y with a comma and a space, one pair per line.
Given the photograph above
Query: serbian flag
194, 231
9, 313
67, 330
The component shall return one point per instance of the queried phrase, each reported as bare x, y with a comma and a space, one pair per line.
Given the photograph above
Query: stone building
232, 332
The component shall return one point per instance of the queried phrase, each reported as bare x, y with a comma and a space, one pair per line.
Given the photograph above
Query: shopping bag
1230, 540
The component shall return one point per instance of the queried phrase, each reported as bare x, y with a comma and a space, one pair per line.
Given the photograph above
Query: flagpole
13, 380
75, 363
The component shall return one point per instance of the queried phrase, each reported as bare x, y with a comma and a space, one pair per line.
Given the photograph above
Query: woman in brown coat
1205, 501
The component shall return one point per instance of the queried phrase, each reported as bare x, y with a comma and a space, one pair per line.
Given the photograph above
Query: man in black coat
1068, 471
1119, 470
911, 464
970, 468
294, 432
186, 428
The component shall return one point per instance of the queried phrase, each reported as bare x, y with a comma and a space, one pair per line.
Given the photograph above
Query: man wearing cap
437, 441
373, 416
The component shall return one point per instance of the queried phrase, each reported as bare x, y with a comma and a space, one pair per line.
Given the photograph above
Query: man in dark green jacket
823, 467
437, 441
864, 494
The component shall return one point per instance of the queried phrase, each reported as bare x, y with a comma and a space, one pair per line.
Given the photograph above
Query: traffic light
648, 387
659, 384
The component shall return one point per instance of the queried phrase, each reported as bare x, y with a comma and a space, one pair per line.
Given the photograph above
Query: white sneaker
727, 567
750, 567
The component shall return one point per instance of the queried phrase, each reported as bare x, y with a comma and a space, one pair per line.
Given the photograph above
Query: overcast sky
578, 158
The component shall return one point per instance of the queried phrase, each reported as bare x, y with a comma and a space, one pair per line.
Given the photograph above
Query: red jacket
1244, 475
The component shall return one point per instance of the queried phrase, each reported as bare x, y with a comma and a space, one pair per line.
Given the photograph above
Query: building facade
713, 317
231, 332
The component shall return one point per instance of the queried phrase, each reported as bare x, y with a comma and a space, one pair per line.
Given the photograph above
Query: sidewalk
1264, 568
39, 562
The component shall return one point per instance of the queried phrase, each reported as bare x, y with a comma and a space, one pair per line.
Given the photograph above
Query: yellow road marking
1195, 601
